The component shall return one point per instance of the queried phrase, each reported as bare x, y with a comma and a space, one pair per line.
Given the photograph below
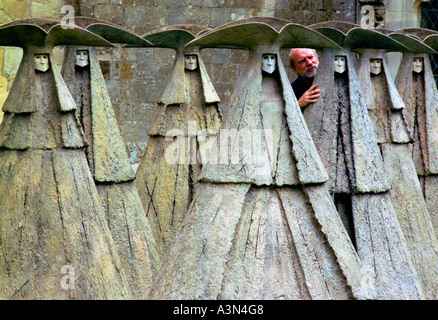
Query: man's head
304, 62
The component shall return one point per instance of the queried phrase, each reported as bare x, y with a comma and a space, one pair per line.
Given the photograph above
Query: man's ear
293, 69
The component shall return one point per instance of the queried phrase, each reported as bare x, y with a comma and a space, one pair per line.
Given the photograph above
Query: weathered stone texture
141, 83
142, 16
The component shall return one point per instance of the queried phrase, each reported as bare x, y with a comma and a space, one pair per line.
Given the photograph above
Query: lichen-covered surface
420, 96
255, 229
109, 164
245, 242
344, 136
187, 117
51, 216
390, 121
132, 235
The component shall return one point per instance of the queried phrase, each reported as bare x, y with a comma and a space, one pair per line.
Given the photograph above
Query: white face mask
82, 58
375, 66
339, 64
417, 65
41, 62
191, 62
268, 62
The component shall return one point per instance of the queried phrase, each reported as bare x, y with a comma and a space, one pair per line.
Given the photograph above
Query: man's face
305, 62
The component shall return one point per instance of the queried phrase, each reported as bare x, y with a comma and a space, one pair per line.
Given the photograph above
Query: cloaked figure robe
262, 224
186, 120
419, 93
344, 136
54, 239
390, 121
112, 172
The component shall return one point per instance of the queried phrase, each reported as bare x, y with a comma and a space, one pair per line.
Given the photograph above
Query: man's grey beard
311, 74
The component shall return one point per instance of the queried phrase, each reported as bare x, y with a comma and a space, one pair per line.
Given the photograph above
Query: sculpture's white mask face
339, 64
41, 62
375, 66
82, 58
417, 65
190, 61
269, 62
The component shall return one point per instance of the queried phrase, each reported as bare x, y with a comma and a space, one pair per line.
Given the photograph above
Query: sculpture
390, 119
358, 172
344, 136
51, 219
3, 93
109, 163
262, 224
419, 93
188, 112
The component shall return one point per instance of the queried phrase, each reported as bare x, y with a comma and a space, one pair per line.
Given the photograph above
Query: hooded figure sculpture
376, 185
344, 135
54, 239
262, 224
110, 166
394, 136
376, 211
416, 85
188, 113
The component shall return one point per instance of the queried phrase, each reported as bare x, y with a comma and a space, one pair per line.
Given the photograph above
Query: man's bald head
304, 62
